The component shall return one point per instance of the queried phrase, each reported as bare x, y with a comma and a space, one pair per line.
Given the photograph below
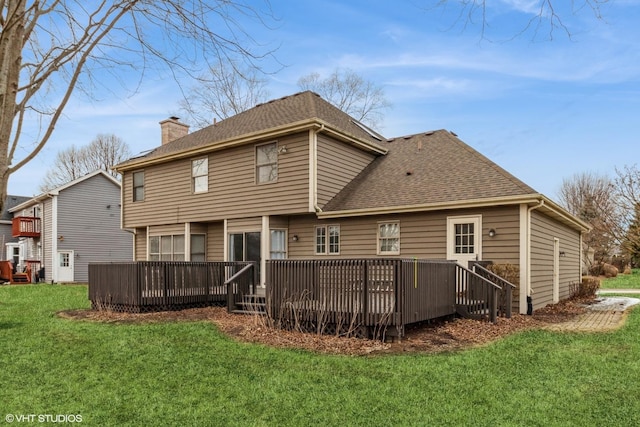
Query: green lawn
190, 374
623, 281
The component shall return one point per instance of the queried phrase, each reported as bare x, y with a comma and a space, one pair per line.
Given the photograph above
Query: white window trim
133, 186
286, 242
257, 165
451, 221
193, 177
327, 246
378, 249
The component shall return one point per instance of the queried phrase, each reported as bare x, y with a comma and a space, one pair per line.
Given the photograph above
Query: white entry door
65, 266
464, 239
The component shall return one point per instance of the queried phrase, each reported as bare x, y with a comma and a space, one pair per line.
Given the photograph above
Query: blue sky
542, 109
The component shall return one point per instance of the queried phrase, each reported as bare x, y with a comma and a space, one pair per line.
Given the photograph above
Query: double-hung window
389, 238
267, 163
278, 244
328, 240
138, 186
166, 248
200, 175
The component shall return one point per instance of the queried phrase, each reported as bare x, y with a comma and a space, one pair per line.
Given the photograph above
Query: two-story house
298, 178
9, 244
62, 230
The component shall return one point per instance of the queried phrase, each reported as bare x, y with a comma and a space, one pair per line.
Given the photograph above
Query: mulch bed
434, 337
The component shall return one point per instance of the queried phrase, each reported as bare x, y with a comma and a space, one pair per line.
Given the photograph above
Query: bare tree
50, 48
627, 182
225, 91
350, 92
592, 198
542, 18
102, 153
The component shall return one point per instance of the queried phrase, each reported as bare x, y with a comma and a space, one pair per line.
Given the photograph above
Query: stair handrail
491, 297
508, 290
230, 294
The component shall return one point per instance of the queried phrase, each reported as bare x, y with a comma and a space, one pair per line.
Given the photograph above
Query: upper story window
389, 238
328, 240
138, 186
267, 163
200, 175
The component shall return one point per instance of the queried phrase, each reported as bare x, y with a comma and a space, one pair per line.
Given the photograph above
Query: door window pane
465, 238
236, 247
198, 247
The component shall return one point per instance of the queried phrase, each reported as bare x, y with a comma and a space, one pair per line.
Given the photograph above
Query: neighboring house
63, 230
9, 252
298, 178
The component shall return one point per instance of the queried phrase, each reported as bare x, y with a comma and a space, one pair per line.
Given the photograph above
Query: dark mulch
433, 337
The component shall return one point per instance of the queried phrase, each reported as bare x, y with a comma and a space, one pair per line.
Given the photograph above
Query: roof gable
57, 190
427, 168
304, 108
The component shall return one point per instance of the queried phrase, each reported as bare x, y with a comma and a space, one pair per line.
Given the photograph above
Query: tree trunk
11, 43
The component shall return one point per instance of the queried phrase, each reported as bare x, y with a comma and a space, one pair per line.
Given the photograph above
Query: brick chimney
172, 129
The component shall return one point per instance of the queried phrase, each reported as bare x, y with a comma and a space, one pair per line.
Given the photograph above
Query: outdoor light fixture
282, 149
562, 253
492, 232
295, 238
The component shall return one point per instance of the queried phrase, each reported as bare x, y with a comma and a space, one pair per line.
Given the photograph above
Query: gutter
529, 290
386, 210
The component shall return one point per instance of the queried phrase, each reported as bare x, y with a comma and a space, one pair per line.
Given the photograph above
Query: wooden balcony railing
25, 226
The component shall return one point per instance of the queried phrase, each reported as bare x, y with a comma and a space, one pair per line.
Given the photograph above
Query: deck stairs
251, 304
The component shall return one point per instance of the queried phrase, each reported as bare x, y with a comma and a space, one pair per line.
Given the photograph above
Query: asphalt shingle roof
432, 167
426, 168
10, 202
299, 107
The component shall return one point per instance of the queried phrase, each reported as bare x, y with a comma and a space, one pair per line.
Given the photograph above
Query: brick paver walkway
600, 317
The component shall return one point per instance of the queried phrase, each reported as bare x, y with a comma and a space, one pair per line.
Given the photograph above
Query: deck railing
505, 296
360, 292
155, 285
476, 296
25, 226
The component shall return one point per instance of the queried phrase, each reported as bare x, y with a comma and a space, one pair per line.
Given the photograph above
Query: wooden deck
360, 297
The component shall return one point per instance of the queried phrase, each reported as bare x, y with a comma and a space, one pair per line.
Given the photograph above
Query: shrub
508, 272
603, 269
587, 289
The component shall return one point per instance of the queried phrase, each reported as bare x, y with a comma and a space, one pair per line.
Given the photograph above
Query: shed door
65, 266
464, 239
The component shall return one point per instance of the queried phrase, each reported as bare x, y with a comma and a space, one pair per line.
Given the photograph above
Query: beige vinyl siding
543, 230
422, 235
233, 192
244, 224
140, 246
504, 247
215, 241
163, 230
198, 228
279, 222
338, 164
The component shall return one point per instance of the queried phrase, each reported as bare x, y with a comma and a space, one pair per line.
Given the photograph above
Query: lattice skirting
127, 308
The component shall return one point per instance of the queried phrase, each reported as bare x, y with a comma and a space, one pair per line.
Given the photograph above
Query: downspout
529, 290
313, 170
